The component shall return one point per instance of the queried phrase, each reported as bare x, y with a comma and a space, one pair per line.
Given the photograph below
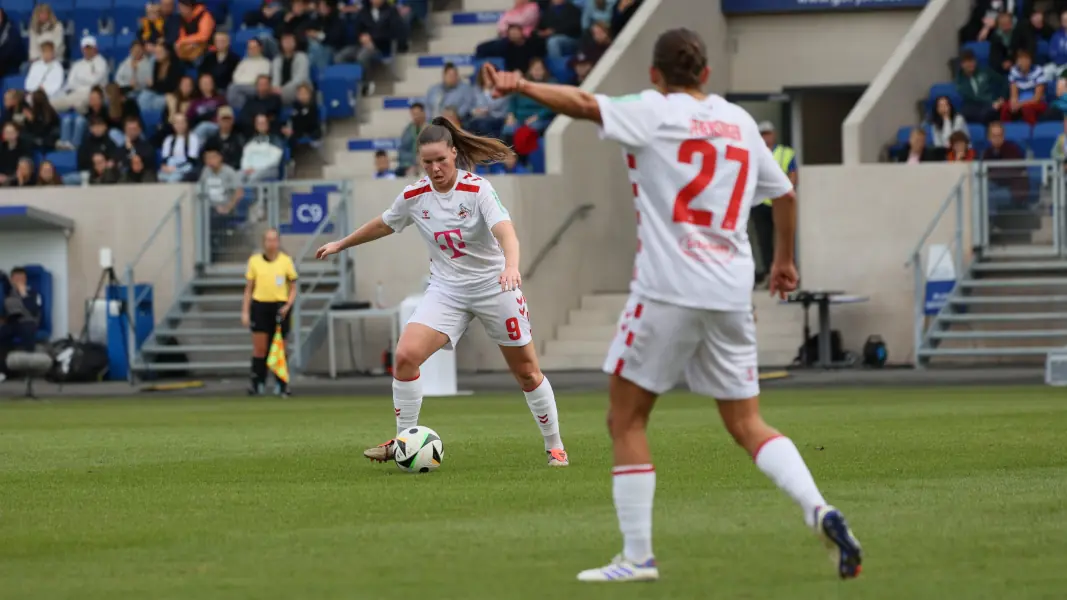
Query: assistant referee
269, 296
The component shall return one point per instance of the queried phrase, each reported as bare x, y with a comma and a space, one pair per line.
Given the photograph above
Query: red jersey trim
409, 194
466, 187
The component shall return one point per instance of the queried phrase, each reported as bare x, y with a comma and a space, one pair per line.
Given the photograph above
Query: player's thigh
653, 343
442, 313
506, 318
726, 365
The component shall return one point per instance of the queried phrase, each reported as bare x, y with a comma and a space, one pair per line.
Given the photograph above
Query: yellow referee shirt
271, 278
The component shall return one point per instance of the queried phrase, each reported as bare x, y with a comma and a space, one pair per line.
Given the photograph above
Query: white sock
542, 403
407, 400
780, 460
633, 487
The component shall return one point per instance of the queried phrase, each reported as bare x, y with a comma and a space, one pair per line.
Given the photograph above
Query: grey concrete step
989, 318
226, 366
198, 348
237, 298
1032, 299
987, 352
214, 332
1010, 334
1020, 266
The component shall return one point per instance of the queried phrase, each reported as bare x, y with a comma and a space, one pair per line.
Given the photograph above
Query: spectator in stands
378, 27
1004, 184
102, 172
1037, 28
597, 11
245, 78
262, 154
294, 21
524, 13
166, 75
46, 174
269, 15
221, 62
982, 90
382, 168
138, 172
526, 112
452, 91
510, 166
1057, 46
134, 74
220, 186
45, 27
945, 121
227, 139
289, 69
180, 151
194, 35
14, 102
151, 28
592, 48
407, 152
984, 19
46, 72
326, 36
560, 26
203, 110
41, 127
265, 102
133, 143
119, 110
23, 176
22, 310
1059, 149
1006, 41
84, 75
177, 103
959, 148
73, 125
519, 50
12, 149
12, 48
96, 142
917, 151
172, 22
305, 123
624, 11
1027, 96
489, 113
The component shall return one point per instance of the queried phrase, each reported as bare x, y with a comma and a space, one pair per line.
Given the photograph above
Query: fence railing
1017, 208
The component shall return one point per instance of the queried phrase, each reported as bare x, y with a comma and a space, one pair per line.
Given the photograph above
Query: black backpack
77, 362
808, 354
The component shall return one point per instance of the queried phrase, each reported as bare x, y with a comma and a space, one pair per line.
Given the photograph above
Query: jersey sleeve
290, 271
398, 216
630, 120
771, 182
250, 271
491, 207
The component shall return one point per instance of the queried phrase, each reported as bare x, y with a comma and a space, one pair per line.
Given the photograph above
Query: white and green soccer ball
419, 450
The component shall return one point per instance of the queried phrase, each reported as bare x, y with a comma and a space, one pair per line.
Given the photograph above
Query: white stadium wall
919, 60
768, 53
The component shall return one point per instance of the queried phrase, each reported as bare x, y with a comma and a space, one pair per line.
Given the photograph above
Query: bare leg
634, 477
260, 346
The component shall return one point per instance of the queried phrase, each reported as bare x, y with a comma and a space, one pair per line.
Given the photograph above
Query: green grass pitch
957, 494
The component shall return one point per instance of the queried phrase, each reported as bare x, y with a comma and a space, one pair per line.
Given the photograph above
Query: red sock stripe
765, 442
416, 378
632, 470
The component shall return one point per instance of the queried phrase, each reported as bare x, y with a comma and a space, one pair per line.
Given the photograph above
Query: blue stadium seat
126, 19
944, 89
903, 134
537, 158
88, 21
40, 279
13, 82
98, 5
1042, 52
1018, 133
1042, 146
151, 119
22, 6
339, 85
561, 70
241, 37
122, 44
981, 51
1050, 129
65, 161
66, 5
976, 133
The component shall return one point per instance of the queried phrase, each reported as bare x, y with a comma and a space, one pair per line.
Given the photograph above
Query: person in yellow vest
269, 295
761, 215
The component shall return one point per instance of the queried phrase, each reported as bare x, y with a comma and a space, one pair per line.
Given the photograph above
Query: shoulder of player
414, 190
470, 183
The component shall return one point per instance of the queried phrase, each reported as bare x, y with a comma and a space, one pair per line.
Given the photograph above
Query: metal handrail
578, 213
957, 190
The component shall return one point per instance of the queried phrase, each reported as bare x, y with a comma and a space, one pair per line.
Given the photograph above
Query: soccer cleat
621, 570
844, 548
557, 457
255, 389
381, 453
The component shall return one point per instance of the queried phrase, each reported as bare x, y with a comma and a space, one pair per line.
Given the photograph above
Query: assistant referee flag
276, 357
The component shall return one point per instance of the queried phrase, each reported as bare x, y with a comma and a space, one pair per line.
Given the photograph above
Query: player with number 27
696, 163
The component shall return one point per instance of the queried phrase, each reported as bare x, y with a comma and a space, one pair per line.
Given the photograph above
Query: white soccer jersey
696, 167
465, 258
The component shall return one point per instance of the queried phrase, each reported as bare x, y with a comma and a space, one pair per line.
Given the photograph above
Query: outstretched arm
562, 99
368, 232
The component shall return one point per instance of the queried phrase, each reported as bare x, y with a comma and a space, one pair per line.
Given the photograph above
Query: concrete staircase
1004, 311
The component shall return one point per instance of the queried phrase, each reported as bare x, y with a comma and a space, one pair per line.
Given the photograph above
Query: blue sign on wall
476, 18
372, 144
937, 293
308, 212
737, 7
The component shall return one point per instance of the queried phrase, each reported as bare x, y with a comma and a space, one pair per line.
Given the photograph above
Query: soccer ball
419, 450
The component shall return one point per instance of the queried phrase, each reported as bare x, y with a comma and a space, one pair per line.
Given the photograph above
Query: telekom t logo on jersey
453, 240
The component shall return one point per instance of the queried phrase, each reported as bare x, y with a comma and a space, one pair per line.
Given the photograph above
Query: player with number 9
696, 164
474, 273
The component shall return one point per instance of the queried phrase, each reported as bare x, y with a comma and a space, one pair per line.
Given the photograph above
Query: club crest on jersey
463, 212
425, 214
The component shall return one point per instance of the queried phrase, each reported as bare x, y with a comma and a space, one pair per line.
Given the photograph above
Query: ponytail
471, 150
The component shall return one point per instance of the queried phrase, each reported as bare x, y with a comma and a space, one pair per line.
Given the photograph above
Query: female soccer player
474, 273
269, 295
696, 162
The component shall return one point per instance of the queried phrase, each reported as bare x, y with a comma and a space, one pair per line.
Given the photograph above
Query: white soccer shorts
505, 316
656, 342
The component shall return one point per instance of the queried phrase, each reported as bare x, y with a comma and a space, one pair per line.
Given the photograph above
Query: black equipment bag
809, 353
77, 362
875, 352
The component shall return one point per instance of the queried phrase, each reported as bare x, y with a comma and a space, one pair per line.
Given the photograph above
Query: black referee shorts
264, 317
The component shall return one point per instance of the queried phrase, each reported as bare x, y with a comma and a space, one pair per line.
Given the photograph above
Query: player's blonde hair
471, 149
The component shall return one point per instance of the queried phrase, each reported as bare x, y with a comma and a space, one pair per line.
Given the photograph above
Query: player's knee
528, 376
406, 363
